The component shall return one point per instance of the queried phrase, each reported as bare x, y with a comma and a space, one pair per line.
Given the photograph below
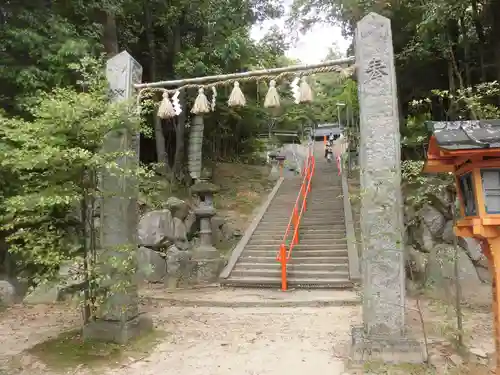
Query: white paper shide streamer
176, 104
295, 90
214, 98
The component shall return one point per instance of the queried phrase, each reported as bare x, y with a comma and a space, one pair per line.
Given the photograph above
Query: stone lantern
275, 173
205, 255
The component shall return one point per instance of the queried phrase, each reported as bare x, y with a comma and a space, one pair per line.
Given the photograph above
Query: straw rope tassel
236, 99
201, 104
166, 109
306, 95
272, 99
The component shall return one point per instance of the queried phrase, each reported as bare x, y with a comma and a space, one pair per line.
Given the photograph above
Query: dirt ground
203, 336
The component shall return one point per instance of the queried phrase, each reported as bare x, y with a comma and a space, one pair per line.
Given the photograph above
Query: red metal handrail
283, 255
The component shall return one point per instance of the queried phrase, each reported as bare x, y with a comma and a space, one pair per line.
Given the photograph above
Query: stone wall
431, 252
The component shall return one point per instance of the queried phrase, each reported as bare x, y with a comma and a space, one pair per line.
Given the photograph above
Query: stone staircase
320, 260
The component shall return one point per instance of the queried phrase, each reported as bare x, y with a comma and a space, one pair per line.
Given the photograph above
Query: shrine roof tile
466, 135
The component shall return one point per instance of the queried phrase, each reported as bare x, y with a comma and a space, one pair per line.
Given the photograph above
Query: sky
311, 47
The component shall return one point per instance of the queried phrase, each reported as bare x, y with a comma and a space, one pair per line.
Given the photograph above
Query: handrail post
283, 267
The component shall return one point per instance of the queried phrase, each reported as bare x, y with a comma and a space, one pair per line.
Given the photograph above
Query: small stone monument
205, 255
383, 336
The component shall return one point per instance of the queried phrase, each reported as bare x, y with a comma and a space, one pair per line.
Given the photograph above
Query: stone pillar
383, 335
195, 147
205, 255
118, 320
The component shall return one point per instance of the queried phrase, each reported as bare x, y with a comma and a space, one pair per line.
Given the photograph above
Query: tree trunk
466, 60
495, 14
161, 154
480, 36
110, 35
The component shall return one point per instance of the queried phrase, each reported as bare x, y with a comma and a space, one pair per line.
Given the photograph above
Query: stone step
324, 267
304, 242
273, 282
299, 253
320, 212
290, 273
302, 246
265, 231
306, 219
304, 238
295, 259
306, 225
334, 232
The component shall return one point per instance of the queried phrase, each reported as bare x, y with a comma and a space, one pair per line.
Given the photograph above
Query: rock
180, 234
230, 232
152, 265
70, 281
448, 234
427, 240
484, 275
420, 236
177, 207
191, 223
472, 247
441, 267
43, 294
410, 215
478, 352
418, 261
433, 219
7, 293
178, 266
156, 229
456, 360
216, 223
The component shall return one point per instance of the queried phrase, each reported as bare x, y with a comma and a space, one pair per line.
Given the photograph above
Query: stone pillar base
384, 349
208, 270
117, 332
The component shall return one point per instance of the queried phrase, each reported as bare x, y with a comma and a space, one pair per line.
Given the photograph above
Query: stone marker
119, 320
383, 335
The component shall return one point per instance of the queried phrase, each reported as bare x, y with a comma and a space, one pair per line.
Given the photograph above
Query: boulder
151, 264
177, 207
433, 219
427, 239
472, 247
69, 281
191, 223
420, 236
417, 261
448, 234
441, 267
230, 232
156, 229
178, 266
180, 234
7, 293
216, 224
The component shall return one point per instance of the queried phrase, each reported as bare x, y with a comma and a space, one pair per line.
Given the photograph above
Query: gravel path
244, 341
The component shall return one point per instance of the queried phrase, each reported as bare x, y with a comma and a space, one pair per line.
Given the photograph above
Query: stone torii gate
383, 335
